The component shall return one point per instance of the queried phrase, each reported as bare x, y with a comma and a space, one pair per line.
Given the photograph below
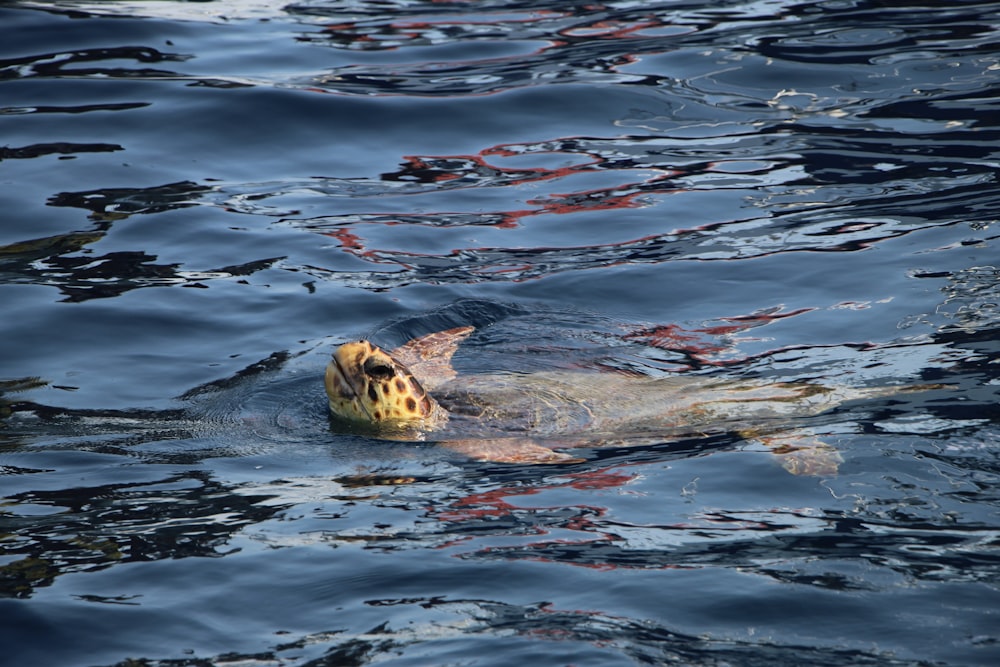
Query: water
201, 199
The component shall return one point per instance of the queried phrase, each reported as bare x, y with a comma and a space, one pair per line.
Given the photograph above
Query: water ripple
789, 189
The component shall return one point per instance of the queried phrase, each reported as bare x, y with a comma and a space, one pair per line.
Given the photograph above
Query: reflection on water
797, 191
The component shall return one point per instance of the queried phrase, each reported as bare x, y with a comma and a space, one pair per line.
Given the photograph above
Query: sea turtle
414, 393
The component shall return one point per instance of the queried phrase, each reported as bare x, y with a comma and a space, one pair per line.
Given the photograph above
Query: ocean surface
200, 200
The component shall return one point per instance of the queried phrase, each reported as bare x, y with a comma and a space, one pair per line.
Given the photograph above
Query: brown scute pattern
397, 400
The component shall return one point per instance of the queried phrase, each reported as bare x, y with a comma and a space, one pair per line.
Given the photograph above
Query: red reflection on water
701, 346
468, 171
689, 342
755, 320
602, 541
599, 479
476, 170
494, 503
557, 29
604, 29
438, 173
540, 520
520, 264
348, 240
491, 503
427, 31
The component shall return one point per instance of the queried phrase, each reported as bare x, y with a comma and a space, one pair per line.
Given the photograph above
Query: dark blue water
200, 200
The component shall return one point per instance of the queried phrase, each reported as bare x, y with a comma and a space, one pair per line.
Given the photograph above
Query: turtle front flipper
429, 357
508, 450
800, 452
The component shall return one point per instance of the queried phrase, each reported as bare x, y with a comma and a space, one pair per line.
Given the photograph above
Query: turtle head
366, 384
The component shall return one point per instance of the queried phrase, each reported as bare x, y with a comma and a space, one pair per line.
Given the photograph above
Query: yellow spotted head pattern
365, 384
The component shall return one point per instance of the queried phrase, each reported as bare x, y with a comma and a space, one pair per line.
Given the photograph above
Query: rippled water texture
200, 199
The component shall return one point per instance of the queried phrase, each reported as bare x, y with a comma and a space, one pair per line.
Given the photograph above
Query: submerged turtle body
606, 406
415, 394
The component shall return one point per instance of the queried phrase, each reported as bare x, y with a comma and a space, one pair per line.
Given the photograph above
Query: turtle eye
378, 370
